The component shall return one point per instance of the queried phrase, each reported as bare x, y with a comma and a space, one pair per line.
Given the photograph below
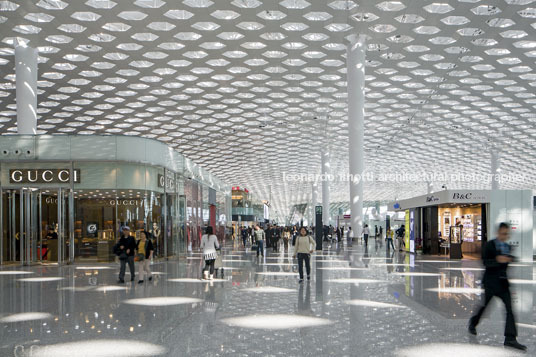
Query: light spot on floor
275, 322
368, 303
455, 349
341, 268
41, 280
391, 265
533, 327
77, 288
14, 272
357, 281
269, 289
100, 348
106, 288
25, 316
191, 280
410, 273
236, 261
522, 281
277, 273
163, 301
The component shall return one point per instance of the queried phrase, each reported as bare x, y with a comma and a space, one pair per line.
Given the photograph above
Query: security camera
28, 152
5, 152
17, 152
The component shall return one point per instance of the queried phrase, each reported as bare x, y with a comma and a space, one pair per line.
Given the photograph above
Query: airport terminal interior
267, 178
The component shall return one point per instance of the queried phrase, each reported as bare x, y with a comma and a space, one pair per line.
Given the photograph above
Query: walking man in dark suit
496, 256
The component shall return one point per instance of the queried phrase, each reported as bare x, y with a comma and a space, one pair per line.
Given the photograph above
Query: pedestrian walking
259, 238
209, 245
496, 257
305, 246
125, 249
144, 249
366, 233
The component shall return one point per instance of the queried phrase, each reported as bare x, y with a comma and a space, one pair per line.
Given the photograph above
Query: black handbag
123, 256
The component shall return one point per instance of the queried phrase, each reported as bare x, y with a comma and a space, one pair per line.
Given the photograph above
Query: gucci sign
167, 182
43, 176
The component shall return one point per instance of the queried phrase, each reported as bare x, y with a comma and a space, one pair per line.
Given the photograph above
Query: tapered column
325, 186
314, 201
26, 89
495, 171
355, 77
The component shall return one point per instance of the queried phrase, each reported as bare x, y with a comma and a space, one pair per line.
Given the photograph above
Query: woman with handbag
144, 253
209, 244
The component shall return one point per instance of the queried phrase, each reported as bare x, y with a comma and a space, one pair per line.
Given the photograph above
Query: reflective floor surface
359, 302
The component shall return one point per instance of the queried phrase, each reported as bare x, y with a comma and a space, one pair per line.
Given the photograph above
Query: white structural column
314, 201
326, 172
494, 170
355, 77
429, 187
26, 89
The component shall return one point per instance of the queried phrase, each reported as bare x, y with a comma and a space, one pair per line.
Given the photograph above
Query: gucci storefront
65, 198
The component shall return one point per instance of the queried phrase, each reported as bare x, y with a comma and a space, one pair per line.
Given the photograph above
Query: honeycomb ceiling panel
252, 90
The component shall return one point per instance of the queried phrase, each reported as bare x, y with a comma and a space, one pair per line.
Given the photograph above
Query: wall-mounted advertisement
412, 231
406, 233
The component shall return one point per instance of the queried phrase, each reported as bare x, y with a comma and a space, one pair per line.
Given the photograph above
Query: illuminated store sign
237, 188
117, 202
43, 176
469, 196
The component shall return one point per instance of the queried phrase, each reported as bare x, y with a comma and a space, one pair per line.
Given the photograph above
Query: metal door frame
30, 213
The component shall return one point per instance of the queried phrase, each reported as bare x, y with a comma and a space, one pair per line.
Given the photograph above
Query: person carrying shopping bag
209, 244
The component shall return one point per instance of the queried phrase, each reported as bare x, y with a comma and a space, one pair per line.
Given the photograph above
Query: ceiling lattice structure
253, 89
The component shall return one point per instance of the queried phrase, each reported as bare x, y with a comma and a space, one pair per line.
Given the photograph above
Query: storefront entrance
34, 225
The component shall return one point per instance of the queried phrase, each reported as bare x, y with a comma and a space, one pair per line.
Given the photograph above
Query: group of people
391, 236
275, 237
128, 249
304, 245
331, 233
496, 256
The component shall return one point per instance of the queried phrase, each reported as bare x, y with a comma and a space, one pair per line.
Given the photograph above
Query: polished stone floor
360, 302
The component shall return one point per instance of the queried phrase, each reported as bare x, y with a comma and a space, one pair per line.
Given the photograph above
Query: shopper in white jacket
209, 245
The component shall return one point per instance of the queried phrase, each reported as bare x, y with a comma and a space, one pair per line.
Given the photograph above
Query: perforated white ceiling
252, 89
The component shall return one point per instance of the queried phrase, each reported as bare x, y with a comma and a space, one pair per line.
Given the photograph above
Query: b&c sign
43, 176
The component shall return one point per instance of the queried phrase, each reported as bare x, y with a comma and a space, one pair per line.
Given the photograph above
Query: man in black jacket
276, 235
496, 256
125, 249
269, 233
